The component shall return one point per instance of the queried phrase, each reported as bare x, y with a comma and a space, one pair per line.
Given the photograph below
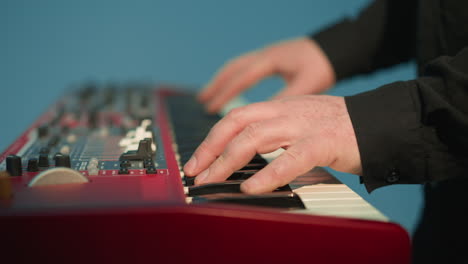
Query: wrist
324, 67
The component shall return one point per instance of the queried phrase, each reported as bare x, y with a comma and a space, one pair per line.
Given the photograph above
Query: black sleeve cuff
389, 135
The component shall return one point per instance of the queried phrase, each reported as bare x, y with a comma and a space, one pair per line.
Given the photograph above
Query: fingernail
191, 165
202, 176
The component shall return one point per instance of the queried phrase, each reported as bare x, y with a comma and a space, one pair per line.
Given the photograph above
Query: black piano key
258, 159
282, 200
253, 166
189, 181
236, 176
232, 185
218, 187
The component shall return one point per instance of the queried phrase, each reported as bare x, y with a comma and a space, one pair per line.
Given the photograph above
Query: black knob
123, 170
151, 170
43, 131
43, 160
13, 164
62, 160
93, 118
125, 164
32, 165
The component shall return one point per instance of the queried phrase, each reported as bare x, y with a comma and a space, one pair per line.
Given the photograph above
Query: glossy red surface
201, 234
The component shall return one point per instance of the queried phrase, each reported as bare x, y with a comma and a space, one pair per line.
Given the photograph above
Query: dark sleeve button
393, 175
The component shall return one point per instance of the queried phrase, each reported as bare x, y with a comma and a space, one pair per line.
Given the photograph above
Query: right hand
315, 130
301, 62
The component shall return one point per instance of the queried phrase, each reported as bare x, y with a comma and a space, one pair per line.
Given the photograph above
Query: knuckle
292, 155
251, 131
235, 115
220, 161
223, 164
266, 63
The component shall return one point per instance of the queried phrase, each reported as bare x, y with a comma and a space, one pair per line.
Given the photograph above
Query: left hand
301, 62
315, 130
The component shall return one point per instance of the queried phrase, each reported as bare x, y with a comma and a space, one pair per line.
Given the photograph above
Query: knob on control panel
43, 160
62, 160
56, 176
42, 131
32, 165
13, 164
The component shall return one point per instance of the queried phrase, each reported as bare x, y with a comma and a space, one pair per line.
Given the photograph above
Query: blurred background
49, 45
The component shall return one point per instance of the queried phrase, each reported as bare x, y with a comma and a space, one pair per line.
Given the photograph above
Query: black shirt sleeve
415, 131
382, 35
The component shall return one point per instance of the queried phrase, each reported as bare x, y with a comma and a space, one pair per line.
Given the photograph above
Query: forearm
382, 35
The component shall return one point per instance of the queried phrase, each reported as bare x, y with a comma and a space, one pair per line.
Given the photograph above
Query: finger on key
246, 78
224, 131
295, 161
224, 75
259, 137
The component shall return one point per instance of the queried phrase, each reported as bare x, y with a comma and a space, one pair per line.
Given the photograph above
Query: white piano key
332, 199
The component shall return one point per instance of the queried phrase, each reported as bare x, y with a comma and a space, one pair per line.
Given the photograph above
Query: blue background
46, 46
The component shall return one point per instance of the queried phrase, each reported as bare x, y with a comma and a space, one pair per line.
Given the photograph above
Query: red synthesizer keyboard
97, 178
